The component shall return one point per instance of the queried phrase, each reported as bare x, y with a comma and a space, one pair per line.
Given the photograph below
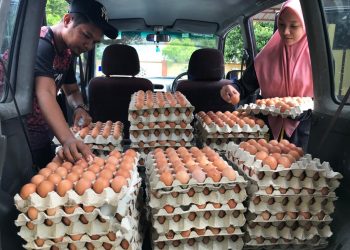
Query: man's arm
45, 90
75, 99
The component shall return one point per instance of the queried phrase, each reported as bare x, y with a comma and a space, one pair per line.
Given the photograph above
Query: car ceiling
197, 16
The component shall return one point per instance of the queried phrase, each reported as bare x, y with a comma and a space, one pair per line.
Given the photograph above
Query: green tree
179, 50
55, 9
263, 32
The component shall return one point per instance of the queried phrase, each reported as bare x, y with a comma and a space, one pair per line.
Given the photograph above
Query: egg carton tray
300, 219
163, 135
299, 233
194, 235
293, 112
306, 164
159, 126
216, 242
214, 128
135, 242
165, 144
278, 244
185, 199
170, 115
89, 198
225, 137
42, 231
293, 203
232, 218
114, 137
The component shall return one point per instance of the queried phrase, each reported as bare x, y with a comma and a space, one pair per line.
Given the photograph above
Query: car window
160, 60
338, 24
233, 53
8, 13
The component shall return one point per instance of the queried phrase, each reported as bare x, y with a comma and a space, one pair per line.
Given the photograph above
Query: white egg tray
225, 136
236, 129
145, 116
290, 192
159, 126
193, 234
277, 244
300, 219
299, 233
235, 243
320, 204
198, 198
89, 198
255, 109
101, 149
99, 139
163, 135
235, 218
158, 144
306, 164
134, 243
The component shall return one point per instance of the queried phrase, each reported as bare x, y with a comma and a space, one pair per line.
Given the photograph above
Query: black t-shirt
56, 66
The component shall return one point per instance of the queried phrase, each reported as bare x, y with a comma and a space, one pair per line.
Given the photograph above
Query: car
189, 25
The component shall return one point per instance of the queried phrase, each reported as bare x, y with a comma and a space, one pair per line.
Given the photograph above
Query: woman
282, 68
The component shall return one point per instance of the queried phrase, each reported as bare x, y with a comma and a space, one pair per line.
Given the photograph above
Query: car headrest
206, 64
120, 59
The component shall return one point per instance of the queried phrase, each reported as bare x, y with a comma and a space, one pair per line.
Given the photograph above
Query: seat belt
82, 80
334, 119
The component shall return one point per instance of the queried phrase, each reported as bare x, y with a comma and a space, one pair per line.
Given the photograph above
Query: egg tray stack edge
112, 218
203, 216
217, 134
159, 120
287, 206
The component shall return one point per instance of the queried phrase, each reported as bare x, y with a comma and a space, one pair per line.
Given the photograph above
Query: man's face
289, 26
82, 37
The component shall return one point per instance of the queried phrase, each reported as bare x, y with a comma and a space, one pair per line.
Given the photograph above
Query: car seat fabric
110, 95
205, 79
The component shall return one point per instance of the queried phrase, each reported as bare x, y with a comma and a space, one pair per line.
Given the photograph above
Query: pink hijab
285, 71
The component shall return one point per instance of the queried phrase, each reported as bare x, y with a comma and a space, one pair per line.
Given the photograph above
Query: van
191, 25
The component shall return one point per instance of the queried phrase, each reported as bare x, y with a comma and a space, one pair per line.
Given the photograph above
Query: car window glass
8, 14
165, 59
233, 53
338, 24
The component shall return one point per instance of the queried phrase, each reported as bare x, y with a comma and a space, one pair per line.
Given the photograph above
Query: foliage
263, 32
55, 9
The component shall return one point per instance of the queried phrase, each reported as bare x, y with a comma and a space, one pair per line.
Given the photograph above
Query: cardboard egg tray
293, 112
154, 105
165, 125
208, 242
154, 135
175, 115
102, 150
115, 136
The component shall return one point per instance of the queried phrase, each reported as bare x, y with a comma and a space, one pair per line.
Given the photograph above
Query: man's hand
73, 150
81, 118
230, 94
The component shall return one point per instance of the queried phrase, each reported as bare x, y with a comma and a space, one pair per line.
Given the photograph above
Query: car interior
193, 47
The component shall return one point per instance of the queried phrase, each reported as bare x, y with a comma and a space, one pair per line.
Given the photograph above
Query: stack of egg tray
191, 214
216, 130
79, 216
288, 207
279, 106
102, 137
159, 120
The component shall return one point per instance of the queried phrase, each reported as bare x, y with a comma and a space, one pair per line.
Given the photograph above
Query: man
78, 32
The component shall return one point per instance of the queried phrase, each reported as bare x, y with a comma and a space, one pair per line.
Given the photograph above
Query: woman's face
289, 26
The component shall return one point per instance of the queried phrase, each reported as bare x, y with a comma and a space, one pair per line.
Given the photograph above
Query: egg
76, 237
232, 203
261, 155
61, 171
32, 213
320, 215
81, 186
222, 214
30, 225
107, 245
237, 189
292, 215
54, 178
207, 215
229, 173
177, 217
306, 215
44, 188
214, 174
192, 216
269, 190
201, 206
100, 184
117, 183
37, 179
271, 162
45, 172
170, 234
230, 229
191, 242
27, 190
70, 209
200, 231
191, 192
166, 178
39, 242
161, 219
63, 187
259, 240
185, 234
112, 236
169, 209
265, 215
182, 177
280, 215
284, 161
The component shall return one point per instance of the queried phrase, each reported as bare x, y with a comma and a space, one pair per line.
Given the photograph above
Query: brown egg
52, 166
269, 190
259, 240
200, 231
81, 186
45, 172
280, 216
161, 219
30, 225
44, 188
284, 161
76, 237
261, 155
70, 209
237, 189
166, 178
63, 187
321, 215
176, 217
182, 177
230, 229
118, 183
54, 178
295, 154
62, 172
292, 215
27, 190
222, 214
192, 216
198, 175
169, 209
306, 215
32, 213
39, 242
214, 174
265, 215
185, 234
229, 173
88, 175
271, 162
207, 215
325, 191
37, 179
112, 236
100, 184
106, 174
256, 200
201, 206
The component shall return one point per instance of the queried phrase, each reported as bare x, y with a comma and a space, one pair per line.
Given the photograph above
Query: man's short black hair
79, 19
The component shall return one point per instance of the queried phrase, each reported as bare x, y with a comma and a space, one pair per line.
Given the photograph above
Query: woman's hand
73, 150
81, 118
230, 94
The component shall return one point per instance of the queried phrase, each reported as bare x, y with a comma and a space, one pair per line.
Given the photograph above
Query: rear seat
109, 96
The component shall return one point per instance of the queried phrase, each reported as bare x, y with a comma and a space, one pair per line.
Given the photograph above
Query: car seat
110, 95
205, 79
